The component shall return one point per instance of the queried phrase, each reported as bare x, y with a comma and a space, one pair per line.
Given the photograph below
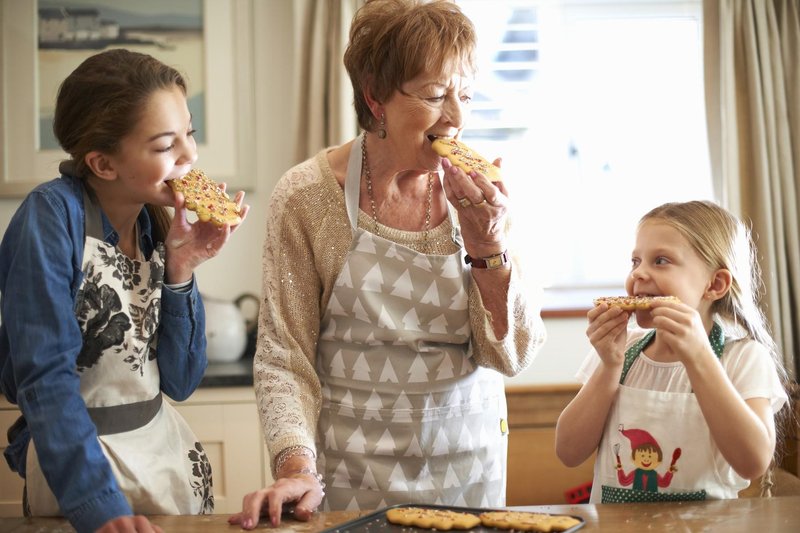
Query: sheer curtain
324, 114
752, 63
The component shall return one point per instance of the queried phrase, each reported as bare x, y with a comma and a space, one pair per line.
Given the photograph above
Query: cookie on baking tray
632, 303
465, 157
206, 198
527, 521
426, 518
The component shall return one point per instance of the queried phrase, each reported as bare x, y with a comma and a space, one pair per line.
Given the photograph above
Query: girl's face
663, 263
429, 105
161, 147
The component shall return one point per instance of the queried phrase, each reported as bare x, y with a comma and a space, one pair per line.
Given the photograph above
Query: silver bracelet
292, 451
310, 472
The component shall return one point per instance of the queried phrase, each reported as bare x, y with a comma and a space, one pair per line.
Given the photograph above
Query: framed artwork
208, 41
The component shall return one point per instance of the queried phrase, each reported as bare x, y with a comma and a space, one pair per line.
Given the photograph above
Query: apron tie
126, 417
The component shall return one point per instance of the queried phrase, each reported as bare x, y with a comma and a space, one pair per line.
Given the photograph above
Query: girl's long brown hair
101, 101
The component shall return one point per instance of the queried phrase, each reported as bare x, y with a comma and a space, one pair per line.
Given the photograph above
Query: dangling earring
382, 128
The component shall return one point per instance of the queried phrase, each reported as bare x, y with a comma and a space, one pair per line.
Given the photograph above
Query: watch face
493, 261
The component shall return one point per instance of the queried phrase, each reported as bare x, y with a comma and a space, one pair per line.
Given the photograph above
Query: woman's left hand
482, 208
681, 328
189, 244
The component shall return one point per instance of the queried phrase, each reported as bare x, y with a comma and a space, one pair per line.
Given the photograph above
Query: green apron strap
716, 338
633, 352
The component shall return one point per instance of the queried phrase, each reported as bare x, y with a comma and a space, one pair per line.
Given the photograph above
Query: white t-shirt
747, 363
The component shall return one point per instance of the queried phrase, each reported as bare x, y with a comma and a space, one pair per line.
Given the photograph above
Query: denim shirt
40, 274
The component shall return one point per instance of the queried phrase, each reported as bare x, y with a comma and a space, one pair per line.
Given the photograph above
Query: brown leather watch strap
493, 261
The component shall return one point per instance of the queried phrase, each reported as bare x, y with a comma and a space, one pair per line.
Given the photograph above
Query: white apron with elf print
657, 446
156, 459
406, 414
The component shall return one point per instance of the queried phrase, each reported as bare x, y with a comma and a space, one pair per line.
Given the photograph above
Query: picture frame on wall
208, 41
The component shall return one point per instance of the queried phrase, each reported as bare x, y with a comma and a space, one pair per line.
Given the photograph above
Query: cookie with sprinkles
465, 157
427, 518
205, 197
528, 521
632, 303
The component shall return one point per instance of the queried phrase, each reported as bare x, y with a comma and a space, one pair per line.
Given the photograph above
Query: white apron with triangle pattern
406, 414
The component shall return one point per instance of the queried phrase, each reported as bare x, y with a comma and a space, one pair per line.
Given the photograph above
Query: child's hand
190, 244
681, 329
608, 333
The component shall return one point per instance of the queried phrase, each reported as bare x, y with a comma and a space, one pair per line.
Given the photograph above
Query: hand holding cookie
482, 207
190, 244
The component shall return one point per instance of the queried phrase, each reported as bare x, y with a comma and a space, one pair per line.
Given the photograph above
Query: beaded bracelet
310, 472
293, 451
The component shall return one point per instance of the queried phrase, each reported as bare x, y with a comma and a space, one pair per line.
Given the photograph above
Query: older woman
390, 307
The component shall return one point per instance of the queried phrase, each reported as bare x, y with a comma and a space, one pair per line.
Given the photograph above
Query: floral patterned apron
406, 414
157, 460
657, 445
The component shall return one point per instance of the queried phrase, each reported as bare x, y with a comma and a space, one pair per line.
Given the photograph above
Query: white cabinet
227, 424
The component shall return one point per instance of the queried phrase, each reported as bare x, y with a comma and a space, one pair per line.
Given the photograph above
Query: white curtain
324, 114
752, 68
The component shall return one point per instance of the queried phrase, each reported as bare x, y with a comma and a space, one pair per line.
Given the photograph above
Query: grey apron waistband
126, 417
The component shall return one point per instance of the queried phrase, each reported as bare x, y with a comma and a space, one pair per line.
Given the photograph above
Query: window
597, 110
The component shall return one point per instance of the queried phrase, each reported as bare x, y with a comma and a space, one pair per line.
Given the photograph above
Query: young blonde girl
101, 315
683, 408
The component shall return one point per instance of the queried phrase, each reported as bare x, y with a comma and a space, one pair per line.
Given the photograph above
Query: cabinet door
535, 474
231, 435
10, 482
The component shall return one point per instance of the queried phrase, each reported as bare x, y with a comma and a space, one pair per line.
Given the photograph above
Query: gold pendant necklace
368, 178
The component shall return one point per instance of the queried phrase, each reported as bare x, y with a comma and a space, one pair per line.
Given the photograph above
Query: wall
238, 268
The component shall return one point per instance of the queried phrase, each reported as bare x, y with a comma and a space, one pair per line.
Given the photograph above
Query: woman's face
430, 105
160, 147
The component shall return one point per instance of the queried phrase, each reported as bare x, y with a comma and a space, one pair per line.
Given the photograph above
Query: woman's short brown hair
393, 41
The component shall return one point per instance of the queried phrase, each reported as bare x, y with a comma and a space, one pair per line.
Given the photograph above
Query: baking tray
377, 523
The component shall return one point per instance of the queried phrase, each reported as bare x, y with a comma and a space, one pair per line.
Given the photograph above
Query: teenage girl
101, 314
684, 408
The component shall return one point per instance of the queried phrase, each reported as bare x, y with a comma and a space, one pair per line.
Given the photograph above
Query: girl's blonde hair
394, 41
724, 241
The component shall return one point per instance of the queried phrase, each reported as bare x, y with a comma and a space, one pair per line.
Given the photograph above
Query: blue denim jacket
40, 274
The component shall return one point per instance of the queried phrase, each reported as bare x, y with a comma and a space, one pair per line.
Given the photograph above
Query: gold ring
464, 202
481, 202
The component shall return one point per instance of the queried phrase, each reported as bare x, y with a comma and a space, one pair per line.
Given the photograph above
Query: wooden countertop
773, 515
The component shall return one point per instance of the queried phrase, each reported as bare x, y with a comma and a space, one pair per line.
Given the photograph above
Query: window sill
573, 302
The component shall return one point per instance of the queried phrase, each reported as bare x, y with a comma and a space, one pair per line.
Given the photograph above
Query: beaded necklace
368, 178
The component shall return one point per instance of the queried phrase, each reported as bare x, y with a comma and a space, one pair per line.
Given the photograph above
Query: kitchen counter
773, 515
237, 373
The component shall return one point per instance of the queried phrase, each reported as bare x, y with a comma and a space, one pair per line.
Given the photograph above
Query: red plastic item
579, 494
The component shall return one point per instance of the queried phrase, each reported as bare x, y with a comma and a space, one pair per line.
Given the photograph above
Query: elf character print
645, 483
647, 456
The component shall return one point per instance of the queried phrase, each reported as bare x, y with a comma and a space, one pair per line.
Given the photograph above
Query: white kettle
226, 331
